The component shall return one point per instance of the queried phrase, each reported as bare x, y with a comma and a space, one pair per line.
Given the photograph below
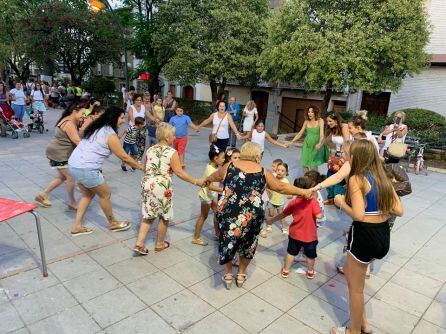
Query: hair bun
363, 114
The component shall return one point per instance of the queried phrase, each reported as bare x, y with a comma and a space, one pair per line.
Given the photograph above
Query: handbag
213, 136
397, 149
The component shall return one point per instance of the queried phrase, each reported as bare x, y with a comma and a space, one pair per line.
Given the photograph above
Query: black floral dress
240, 214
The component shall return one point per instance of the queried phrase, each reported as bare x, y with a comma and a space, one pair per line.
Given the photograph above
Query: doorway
261, 100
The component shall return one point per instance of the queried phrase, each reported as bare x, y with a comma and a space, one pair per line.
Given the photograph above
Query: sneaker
284, 273
269, 228
124, 168
300, 271
263, 233
310, 274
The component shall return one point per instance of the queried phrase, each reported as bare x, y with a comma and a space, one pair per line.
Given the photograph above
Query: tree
335, 45
138, 16
213, 40
99, 86
77, 38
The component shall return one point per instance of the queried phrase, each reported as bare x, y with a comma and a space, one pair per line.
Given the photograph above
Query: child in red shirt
303, 229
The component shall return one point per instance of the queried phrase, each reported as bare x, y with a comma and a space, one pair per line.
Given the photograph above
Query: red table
10, 209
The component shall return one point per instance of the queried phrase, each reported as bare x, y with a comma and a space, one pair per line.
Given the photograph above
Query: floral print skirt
157, 197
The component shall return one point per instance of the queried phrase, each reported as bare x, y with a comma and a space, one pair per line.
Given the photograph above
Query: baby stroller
36, 119
9, 123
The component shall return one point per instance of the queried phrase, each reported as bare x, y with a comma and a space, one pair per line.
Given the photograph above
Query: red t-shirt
304, 211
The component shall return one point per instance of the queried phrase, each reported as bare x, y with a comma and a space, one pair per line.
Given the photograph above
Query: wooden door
261, 100
292, 115
376, 103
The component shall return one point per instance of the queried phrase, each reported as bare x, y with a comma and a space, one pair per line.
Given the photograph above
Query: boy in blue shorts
181, 123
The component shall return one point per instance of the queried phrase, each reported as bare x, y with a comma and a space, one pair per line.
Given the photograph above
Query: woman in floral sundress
240, 212
160, 163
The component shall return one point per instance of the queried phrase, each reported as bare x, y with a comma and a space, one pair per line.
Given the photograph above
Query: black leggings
222, 144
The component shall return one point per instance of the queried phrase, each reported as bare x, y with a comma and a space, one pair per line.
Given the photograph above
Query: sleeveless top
136, 113
223, 131
259, 138
60, 147
170, 104
91, 152
371, 199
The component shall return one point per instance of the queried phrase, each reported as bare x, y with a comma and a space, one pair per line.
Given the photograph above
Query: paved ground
95, 284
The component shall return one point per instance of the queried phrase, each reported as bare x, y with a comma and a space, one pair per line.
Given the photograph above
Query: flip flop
121, 226
85, 230
166, 245
199, 241
142, 250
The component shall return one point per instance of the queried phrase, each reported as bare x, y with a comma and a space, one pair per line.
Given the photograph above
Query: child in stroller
8, 123
36, 119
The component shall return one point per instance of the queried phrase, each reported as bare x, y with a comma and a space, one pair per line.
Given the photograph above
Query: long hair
316, 110
70, 109
108, 118
337, 130
364, 160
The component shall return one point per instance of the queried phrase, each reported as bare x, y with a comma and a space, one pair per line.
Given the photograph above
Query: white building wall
437, 16
426, 90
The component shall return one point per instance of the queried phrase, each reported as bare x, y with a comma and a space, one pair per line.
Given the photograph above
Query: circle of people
246, 198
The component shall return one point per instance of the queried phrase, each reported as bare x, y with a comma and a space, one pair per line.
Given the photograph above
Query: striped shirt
131, 135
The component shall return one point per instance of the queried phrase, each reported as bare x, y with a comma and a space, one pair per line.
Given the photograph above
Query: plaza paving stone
96, 285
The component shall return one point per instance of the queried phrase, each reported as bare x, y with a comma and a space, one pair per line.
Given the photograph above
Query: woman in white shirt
251, 116
137, 109
18, 101
221, 121
394, 133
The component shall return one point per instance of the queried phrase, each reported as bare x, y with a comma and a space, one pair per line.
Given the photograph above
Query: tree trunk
48, 68
154, 82
327, 96
214, 87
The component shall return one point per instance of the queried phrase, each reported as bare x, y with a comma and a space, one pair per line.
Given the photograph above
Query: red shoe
284, 273
310, 274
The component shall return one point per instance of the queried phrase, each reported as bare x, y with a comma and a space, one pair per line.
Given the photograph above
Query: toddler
130, 137
303, 230
276, 200
208, 195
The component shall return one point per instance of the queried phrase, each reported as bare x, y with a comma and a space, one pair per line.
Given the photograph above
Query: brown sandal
165, 245
43, 201
141, 250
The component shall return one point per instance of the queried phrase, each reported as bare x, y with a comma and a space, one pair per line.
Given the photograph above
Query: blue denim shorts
88, 177
131, 149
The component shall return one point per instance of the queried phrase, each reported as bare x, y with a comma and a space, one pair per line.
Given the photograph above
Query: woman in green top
314, 153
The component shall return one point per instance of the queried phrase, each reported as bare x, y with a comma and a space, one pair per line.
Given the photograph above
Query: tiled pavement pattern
96, 285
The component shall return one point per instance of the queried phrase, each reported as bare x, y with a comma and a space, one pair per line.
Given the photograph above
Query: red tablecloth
10, 209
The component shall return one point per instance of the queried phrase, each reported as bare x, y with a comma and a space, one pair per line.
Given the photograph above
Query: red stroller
8, 123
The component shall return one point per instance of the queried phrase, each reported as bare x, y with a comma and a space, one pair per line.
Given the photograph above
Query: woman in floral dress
240, 212
160, 163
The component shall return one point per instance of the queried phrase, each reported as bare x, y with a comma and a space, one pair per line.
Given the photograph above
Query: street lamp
97, 7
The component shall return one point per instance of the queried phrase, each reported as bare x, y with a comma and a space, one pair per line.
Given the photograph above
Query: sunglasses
332, 115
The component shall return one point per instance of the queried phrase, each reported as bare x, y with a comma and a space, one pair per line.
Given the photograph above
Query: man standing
234, 111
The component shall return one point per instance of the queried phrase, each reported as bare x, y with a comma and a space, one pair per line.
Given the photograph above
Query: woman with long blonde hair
370, 199
251, 116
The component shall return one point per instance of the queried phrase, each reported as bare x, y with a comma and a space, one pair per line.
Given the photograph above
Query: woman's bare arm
115, 146
284, 188
207, 120
300, 133
175, 163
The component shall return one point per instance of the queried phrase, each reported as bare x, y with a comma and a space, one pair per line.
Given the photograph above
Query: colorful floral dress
157, 183
240, 214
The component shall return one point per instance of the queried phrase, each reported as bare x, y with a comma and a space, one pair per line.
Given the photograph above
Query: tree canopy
333, 45
212, 40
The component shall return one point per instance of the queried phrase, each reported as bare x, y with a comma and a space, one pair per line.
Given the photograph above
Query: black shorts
294, 247
368, 241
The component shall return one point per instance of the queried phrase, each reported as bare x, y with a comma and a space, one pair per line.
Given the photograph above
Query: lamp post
96, 7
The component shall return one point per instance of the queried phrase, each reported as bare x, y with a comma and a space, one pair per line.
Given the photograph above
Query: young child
181, 123
130, 137
303, 229
317, 178
208, 195
258, 136
276, 200
265, 197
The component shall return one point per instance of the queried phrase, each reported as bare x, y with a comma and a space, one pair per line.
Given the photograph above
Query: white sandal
339, 330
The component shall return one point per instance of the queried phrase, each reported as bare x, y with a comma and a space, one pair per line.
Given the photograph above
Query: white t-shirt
19, 96
259, 138
37, 95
